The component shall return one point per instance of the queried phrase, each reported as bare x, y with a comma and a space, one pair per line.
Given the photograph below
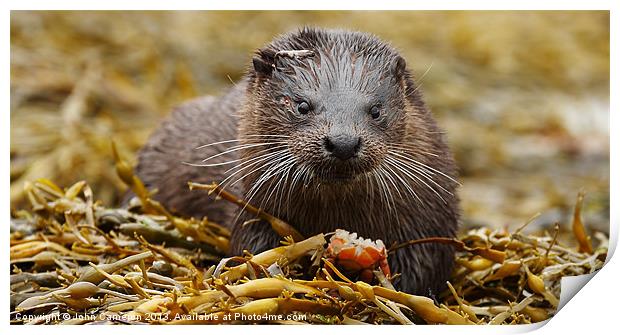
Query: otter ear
263, 63
261, 67
398, 67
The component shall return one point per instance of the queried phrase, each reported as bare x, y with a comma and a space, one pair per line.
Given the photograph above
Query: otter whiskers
407, 157
406, 147
411, 174
242, 139
408, 187
274, 168
242, 147
379, 174
417, 172
234, 149
260, 158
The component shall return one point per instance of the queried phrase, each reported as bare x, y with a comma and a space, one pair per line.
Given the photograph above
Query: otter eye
303, 107
375, 112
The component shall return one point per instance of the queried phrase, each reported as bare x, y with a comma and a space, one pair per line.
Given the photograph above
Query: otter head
332, 103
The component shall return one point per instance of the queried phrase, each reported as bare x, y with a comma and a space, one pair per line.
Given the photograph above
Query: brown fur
347, 68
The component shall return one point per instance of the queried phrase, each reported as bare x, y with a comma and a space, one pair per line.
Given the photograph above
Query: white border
592, 310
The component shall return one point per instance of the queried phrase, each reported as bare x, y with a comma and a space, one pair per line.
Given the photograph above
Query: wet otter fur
326, 130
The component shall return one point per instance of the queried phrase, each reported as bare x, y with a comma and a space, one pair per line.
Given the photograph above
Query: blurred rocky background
523, 96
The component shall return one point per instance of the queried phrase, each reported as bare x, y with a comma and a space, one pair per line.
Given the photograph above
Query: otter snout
343, 146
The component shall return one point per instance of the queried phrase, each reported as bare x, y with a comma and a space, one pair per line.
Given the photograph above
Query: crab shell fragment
356, 254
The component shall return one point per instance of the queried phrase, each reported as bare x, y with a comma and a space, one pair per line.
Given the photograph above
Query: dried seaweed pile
76, 261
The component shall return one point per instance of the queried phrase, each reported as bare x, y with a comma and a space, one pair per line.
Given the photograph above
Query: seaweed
143, 265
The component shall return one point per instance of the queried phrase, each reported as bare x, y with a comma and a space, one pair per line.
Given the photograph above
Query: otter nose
343, 146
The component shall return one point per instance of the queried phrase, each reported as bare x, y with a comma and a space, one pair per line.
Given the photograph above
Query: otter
326, 130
